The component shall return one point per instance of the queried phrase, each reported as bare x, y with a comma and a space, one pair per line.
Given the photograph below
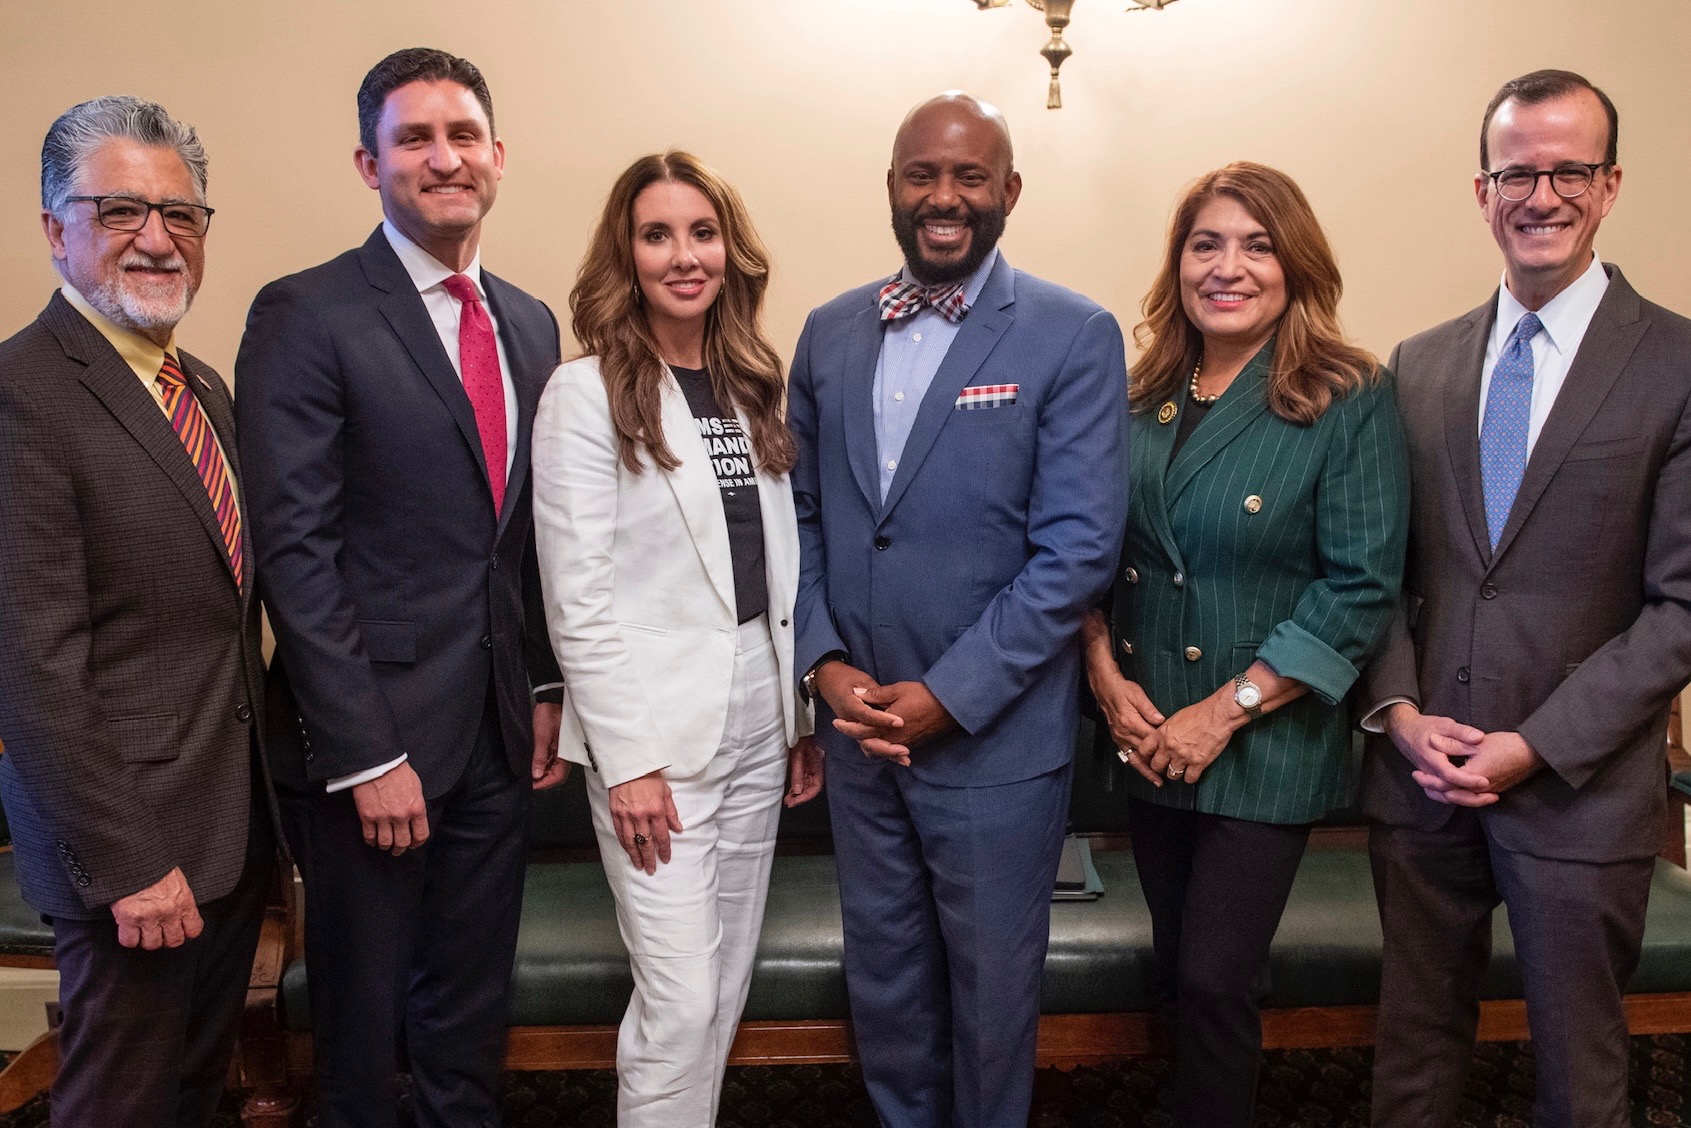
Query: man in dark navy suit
386, 400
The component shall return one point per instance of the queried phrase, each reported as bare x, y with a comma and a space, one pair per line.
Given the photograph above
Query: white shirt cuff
1375, 721
341, 783
539, 689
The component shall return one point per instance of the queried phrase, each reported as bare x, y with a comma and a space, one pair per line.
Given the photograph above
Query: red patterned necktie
478, 362
900, 299
194, 429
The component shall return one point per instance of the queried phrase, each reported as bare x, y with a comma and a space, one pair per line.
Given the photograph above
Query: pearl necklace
1202, 400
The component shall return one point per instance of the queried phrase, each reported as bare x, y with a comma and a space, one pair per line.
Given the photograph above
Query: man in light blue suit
961, 491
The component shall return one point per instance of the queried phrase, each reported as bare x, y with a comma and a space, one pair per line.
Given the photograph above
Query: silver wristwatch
1248, 696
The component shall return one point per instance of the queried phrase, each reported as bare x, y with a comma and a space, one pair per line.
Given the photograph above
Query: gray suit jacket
1577, 631
130, 671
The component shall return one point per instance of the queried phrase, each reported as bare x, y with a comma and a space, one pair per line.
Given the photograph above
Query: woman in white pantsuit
669, 558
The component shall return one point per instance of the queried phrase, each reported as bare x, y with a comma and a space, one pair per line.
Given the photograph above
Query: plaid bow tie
901, 299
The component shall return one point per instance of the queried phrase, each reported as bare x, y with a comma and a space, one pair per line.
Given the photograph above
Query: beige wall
1371, 104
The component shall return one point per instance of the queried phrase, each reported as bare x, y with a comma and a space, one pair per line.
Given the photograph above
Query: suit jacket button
1126, 647
1488, 591
1462, 675
85, 881
1193, 654
883, 543
243, 713
1179, 579
1131, 575
486, 643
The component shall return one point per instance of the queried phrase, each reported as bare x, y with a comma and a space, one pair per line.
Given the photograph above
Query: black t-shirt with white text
731, 459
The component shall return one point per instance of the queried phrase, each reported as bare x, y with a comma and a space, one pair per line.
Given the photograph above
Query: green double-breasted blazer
1263, 539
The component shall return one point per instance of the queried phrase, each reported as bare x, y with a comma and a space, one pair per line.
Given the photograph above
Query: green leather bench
24, 936
572, 970
572, 980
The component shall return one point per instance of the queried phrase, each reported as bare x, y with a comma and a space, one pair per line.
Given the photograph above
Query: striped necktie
194, 429
1503, 434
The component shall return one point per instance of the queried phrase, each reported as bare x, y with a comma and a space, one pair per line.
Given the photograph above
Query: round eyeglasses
1570, 180
126, 213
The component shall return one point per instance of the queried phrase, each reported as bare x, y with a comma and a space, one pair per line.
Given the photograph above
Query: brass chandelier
1058, 50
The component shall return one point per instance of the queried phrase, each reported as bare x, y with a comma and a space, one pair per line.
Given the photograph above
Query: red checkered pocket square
987, 395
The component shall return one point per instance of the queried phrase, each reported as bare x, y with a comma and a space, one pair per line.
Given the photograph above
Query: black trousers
147, 1036
410, 957
1216, 888
1578, 928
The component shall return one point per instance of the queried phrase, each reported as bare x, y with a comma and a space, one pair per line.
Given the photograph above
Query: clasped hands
1457, 763
1160, 748
887, 721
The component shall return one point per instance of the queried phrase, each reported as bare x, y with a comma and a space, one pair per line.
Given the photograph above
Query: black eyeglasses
1570, 180
126, 213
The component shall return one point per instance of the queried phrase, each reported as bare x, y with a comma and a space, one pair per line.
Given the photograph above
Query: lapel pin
1253, 504
1167, 412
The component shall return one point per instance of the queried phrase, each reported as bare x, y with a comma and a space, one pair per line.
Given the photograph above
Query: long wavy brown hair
1313, 362
607, 318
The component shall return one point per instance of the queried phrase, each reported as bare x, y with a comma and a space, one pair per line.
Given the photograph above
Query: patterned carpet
1300, 1089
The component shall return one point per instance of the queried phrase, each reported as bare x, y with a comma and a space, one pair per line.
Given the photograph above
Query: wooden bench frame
1066, 1041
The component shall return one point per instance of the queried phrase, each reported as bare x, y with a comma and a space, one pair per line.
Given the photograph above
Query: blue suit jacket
1002, 525
396, 592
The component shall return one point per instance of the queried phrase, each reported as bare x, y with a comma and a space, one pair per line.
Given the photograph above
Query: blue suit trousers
946, 895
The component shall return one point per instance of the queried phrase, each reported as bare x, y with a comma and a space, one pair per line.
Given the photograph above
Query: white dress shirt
429, 276
912, 350
1565, 318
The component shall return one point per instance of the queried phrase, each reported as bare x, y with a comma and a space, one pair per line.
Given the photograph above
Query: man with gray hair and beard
131, 675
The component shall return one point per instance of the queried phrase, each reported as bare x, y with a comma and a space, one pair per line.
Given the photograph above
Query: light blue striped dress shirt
912, 349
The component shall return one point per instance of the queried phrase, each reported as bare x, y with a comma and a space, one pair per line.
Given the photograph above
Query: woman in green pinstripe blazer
1263, 559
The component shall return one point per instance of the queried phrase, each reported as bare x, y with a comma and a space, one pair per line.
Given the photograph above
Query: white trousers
691, 929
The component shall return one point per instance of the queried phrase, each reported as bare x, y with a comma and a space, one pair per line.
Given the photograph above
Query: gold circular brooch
1167, 412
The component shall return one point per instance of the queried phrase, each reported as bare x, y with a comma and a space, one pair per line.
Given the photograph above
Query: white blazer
639, 585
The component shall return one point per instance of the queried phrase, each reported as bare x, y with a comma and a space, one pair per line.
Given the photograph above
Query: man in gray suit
1546, 628
130, 670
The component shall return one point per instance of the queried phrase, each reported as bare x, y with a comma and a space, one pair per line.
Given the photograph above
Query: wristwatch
1248, 696
809, 679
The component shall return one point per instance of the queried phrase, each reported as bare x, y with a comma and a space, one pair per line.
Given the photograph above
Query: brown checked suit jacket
1576, 632
130, 669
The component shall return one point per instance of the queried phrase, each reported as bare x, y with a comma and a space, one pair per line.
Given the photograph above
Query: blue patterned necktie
1503, 435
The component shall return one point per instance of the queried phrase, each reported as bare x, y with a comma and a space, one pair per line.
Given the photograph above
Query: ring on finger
640, 840
1125, 754
1176, 773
